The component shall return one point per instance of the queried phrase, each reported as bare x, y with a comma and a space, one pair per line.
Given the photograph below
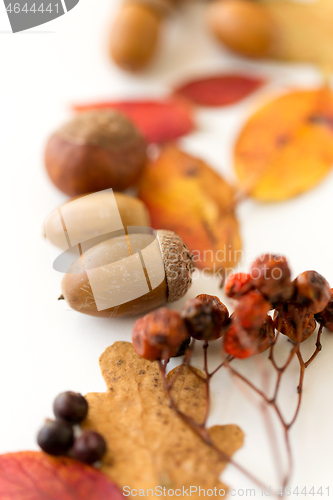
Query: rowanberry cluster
163, 333
267, 301
56, 437
268, 287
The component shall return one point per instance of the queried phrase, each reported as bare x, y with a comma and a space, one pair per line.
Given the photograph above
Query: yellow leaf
305, 31
286, 147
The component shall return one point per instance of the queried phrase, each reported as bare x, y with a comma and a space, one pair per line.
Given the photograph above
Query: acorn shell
243, 26
95, 215
135, 35
178, 266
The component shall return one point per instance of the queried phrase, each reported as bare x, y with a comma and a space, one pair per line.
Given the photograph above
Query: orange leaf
36, 476
286, 147
185, 195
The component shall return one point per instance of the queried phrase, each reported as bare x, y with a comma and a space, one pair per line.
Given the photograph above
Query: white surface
47, 348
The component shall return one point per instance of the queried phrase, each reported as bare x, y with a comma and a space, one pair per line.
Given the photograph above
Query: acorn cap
178, 264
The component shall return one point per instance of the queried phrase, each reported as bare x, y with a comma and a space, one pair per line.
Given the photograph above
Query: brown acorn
243, 26
95, 150
136, 31
102, 282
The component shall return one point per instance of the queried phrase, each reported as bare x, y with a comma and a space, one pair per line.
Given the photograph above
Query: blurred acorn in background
136, 32
243, 26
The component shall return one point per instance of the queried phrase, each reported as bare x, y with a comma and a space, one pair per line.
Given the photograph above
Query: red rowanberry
242, 344
238, 284
159, 335
237, 342
252, 310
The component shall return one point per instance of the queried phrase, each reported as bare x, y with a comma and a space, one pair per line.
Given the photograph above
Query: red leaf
36, 476
158, 121
221, 90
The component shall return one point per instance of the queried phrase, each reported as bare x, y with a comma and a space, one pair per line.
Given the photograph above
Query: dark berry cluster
56, 437
267, 301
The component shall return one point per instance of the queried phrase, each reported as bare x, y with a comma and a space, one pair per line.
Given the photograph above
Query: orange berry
159, 335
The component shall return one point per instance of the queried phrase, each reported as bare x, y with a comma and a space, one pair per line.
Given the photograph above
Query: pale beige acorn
155, 269
95, 212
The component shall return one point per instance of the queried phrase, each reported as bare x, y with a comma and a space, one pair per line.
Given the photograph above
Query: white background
45, 347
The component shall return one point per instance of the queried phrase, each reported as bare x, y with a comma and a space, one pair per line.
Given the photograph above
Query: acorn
129, 274
242, 26
136, 31
91, 214
95, 150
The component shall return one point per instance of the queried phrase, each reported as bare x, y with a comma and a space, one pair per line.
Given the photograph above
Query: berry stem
299, 387
273, 403
207, 382
226, 360
201, 431
318, 347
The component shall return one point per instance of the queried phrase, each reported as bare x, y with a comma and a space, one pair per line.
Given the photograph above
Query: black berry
183, 348
312, 291
326, 316
294, 321
70, 406
56, 437
89, 447
205, 316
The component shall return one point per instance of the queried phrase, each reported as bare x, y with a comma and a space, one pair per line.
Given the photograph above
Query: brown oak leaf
29, 475
148, 444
